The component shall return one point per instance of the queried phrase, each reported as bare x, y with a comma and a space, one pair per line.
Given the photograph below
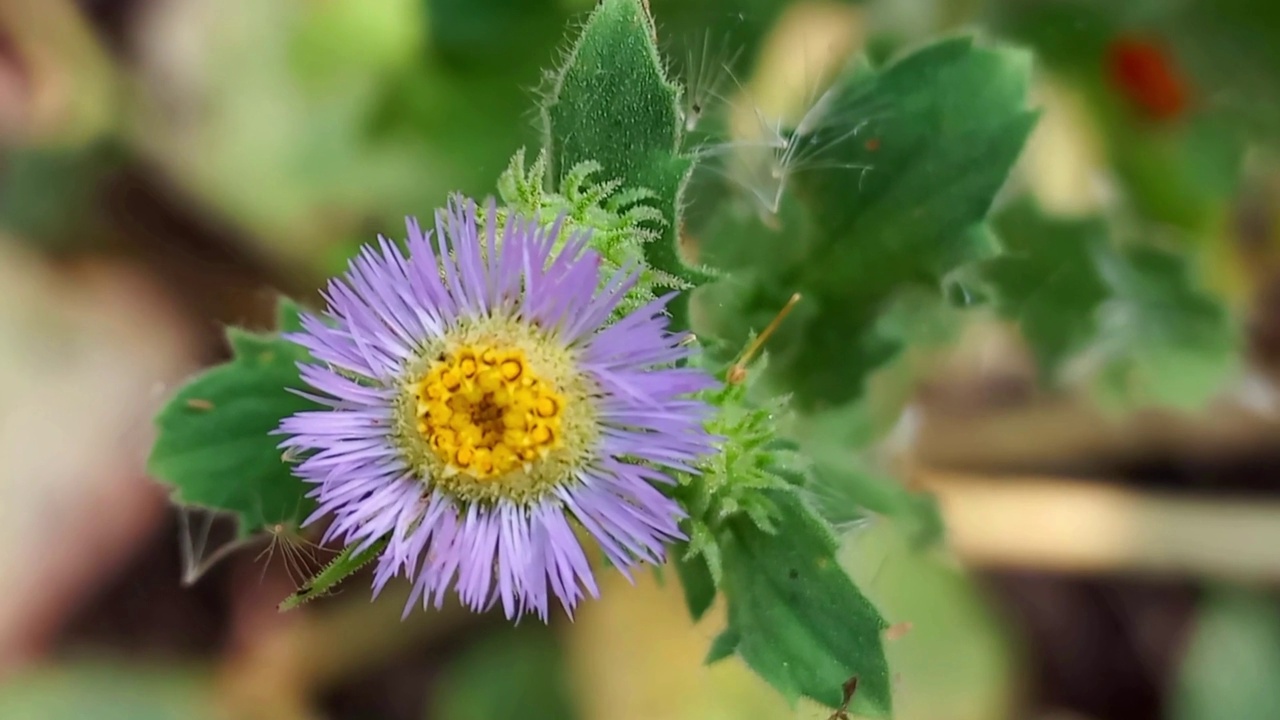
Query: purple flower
484, 406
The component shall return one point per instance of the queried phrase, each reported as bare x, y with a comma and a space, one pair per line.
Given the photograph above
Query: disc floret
496, 412
485, 414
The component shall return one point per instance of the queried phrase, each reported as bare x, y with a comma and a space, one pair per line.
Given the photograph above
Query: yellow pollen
512, 369
547, 407
449, 380
484, 412
462, 458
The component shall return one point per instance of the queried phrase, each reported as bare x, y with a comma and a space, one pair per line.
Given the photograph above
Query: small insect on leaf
850, 687
897, 631
199, 404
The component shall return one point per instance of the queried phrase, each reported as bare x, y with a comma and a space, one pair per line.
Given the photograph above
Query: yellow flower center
497, 410
483, 411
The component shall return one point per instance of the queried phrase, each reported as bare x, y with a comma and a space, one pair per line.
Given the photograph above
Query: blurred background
169, 167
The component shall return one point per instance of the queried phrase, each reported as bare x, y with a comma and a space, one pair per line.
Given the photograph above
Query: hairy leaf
892, 172
697, 582
214, 447
612, 104
800, 621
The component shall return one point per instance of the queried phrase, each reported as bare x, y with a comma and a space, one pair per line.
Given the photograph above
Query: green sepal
215, 448
340, 568
736, 482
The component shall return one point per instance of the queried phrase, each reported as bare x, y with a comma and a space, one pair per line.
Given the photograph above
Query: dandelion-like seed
481, 409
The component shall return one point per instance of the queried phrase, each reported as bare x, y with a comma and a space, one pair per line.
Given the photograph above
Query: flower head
481, 409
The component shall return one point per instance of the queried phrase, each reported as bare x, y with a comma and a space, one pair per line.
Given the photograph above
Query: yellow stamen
484, 412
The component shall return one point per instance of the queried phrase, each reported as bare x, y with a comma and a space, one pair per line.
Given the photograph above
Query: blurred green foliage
50, 194
1232, 660
1176, 150
513, 672
105, 691
1134, 312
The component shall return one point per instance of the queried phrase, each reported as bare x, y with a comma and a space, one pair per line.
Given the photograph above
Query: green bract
736, 483
620, 221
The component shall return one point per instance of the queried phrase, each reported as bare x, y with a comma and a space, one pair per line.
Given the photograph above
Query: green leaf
802, 624
612, 103
696, 581
1163, 340
725, 644
893, 171
515, 672
1048, 280
215, 448
340, 568
1233, 660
